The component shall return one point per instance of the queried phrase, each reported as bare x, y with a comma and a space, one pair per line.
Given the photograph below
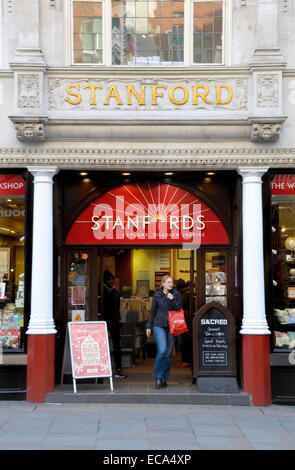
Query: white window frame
188, 38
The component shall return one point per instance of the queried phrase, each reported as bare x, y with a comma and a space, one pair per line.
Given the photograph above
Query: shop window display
283, 258
12, 262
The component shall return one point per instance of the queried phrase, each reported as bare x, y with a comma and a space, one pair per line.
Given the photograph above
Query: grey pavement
27, 426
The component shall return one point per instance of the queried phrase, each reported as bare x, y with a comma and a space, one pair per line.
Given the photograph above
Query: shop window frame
28, 201
188, 38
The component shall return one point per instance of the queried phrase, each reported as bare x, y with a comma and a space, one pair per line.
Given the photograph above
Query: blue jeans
165, 343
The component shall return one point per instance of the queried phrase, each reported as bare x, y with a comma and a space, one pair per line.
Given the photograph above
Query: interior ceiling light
210, 173
126, 174
169, 174
83, 173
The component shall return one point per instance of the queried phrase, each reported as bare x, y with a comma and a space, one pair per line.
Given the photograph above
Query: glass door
81, 285
216, 277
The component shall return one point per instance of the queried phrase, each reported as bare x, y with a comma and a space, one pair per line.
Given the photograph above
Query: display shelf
158, 278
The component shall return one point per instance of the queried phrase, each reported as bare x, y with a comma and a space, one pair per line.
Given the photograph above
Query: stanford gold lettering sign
149, 96
177, 94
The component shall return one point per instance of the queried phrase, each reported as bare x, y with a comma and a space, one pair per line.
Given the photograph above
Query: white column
254, 320
41, 319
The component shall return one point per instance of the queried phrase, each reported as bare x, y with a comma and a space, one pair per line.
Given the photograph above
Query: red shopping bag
177, 322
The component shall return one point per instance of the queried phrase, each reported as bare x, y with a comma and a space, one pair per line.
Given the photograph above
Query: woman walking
166, 298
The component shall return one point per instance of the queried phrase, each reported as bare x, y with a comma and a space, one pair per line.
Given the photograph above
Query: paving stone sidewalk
145, 427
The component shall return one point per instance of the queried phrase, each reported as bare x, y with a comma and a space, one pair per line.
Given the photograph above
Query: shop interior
200, 278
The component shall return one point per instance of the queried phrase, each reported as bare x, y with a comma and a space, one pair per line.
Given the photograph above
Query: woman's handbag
177, 322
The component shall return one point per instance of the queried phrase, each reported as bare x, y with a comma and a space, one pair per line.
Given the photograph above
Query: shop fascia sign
12, 185
283, 184
149, 213
147, 95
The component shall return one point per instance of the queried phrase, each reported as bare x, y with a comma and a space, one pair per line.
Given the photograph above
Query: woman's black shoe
158, 383
163, 383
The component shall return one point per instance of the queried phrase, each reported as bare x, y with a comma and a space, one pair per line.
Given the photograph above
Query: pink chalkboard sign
90, 352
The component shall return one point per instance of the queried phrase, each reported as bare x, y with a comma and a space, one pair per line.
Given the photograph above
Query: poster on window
78, 295
90, 353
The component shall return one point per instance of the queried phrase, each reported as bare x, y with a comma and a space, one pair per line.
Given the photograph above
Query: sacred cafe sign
148, 213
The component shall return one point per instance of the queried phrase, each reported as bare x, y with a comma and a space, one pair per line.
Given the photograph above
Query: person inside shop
166, 298
111, 314
185, 340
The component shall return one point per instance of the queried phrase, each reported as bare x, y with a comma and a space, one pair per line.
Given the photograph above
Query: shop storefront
143, 138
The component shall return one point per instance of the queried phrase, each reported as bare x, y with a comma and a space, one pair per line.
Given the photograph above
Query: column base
256, 368
40, 367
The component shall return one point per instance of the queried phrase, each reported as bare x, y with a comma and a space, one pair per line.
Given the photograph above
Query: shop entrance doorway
139, 232
200, 275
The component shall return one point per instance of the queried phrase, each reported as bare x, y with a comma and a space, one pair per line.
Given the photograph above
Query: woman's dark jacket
159, 311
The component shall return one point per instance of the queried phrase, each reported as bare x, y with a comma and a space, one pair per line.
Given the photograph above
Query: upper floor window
148, 32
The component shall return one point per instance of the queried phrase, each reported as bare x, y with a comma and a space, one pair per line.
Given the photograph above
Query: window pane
207, 32
78, 286
12, 264
283, 260
87, 35
147, 32
216, 277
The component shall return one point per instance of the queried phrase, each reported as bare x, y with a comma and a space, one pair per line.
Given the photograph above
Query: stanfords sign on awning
148, 213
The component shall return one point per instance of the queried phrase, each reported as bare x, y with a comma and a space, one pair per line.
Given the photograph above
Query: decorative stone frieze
147, 158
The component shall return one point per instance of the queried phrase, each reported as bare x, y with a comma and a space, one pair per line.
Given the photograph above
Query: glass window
12, 261
147, 32
207, 31
87, 32
216, 270
283, 259
78, 286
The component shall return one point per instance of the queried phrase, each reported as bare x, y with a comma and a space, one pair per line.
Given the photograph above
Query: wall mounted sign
12, 185
101, 95
148, 213
283, 184
90, 352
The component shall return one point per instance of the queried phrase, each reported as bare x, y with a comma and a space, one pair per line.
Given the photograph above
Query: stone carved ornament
30, 132
268, 91
265, 132
28, 91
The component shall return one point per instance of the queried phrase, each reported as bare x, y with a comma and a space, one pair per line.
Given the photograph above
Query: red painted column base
40, 367
256, 368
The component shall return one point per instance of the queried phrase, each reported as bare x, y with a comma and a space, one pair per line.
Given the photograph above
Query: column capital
252, 174
43, 174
